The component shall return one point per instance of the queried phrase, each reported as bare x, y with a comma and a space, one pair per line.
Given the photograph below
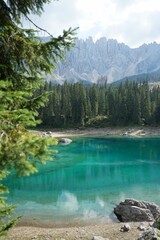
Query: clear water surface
87, 179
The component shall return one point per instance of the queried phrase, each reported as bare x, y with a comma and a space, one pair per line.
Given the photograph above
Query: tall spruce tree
94, 100
66, 103
23, 59
145, 103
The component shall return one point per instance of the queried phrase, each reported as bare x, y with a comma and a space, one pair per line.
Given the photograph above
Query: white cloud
131, 21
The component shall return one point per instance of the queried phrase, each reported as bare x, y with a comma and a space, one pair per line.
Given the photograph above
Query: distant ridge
153, 77
88, 62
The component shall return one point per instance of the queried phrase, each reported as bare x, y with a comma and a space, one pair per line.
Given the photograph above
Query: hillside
152, 78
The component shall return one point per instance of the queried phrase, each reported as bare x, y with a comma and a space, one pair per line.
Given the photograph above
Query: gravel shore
109, 231
109, 131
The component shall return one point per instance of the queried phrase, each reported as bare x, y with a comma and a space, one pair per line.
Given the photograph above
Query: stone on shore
125, 228
141, 227
156, 223
47, 134
64, 141
150, 234
99, 238
136, 211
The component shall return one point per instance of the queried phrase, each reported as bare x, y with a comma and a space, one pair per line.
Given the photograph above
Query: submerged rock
64, 141
136, 211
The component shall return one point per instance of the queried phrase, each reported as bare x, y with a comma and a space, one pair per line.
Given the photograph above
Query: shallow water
87, 178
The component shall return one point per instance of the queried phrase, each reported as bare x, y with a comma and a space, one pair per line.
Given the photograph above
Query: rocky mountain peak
88, 60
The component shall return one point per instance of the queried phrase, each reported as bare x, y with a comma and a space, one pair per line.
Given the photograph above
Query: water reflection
88, 176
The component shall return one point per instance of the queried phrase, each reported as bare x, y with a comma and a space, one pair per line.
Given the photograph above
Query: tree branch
38, 26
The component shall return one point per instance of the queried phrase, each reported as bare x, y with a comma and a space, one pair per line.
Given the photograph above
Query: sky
133, 22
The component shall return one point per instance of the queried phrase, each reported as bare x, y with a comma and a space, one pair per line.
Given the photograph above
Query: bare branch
38, 26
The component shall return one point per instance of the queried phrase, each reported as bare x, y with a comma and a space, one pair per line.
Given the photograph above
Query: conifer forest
72, 105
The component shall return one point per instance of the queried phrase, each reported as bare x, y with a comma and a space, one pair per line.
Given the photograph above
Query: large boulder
136, 211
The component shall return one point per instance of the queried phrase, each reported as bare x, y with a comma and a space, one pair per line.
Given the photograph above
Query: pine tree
122, 105
145, 103
102, 101
112, 104
94, 100
88, 105
57, 98
137, 110
23, 59
82, 104
66, 103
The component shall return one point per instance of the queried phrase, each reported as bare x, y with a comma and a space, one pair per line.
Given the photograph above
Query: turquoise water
87, 178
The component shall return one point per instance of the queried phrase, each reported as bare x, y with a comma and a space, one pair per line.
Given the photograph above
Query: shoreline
110, 231
108, 131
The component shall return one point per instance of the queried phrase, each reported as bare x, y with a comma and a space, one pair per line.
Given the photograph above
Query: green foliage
19, 8
76, 105
157, 223
24, 61
98, 121
5, 210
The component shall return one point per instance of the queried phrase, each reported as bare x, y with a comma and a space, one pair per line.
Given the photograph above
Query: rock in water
136, 211
64, 141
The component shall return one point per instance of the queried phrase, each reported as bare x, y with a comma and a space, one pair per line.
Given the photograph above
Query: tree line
71, 105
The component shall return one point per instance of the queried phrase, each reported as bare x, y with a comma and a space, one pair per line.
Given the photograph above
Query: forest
75, 105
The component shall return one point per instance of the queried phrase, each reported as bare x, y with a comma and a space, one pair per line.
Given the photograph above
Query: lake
87, 179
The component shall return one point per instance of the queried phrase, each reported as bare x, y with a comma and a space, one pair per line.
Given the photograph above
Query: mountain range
106, 60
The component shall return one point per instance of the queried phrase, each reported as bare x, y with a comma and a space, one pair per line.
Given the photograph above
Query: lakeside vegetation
24, 59
75, 105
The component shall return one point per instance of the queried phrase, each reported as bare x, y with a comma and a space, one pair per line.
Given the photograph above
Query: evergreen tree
157, 113
23, 59
82, 105
156, 105
74, 100
145, 103
88, 105
102, 101
112, 104
136, 110
122, 105
57, 99
66, 103
94, 100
